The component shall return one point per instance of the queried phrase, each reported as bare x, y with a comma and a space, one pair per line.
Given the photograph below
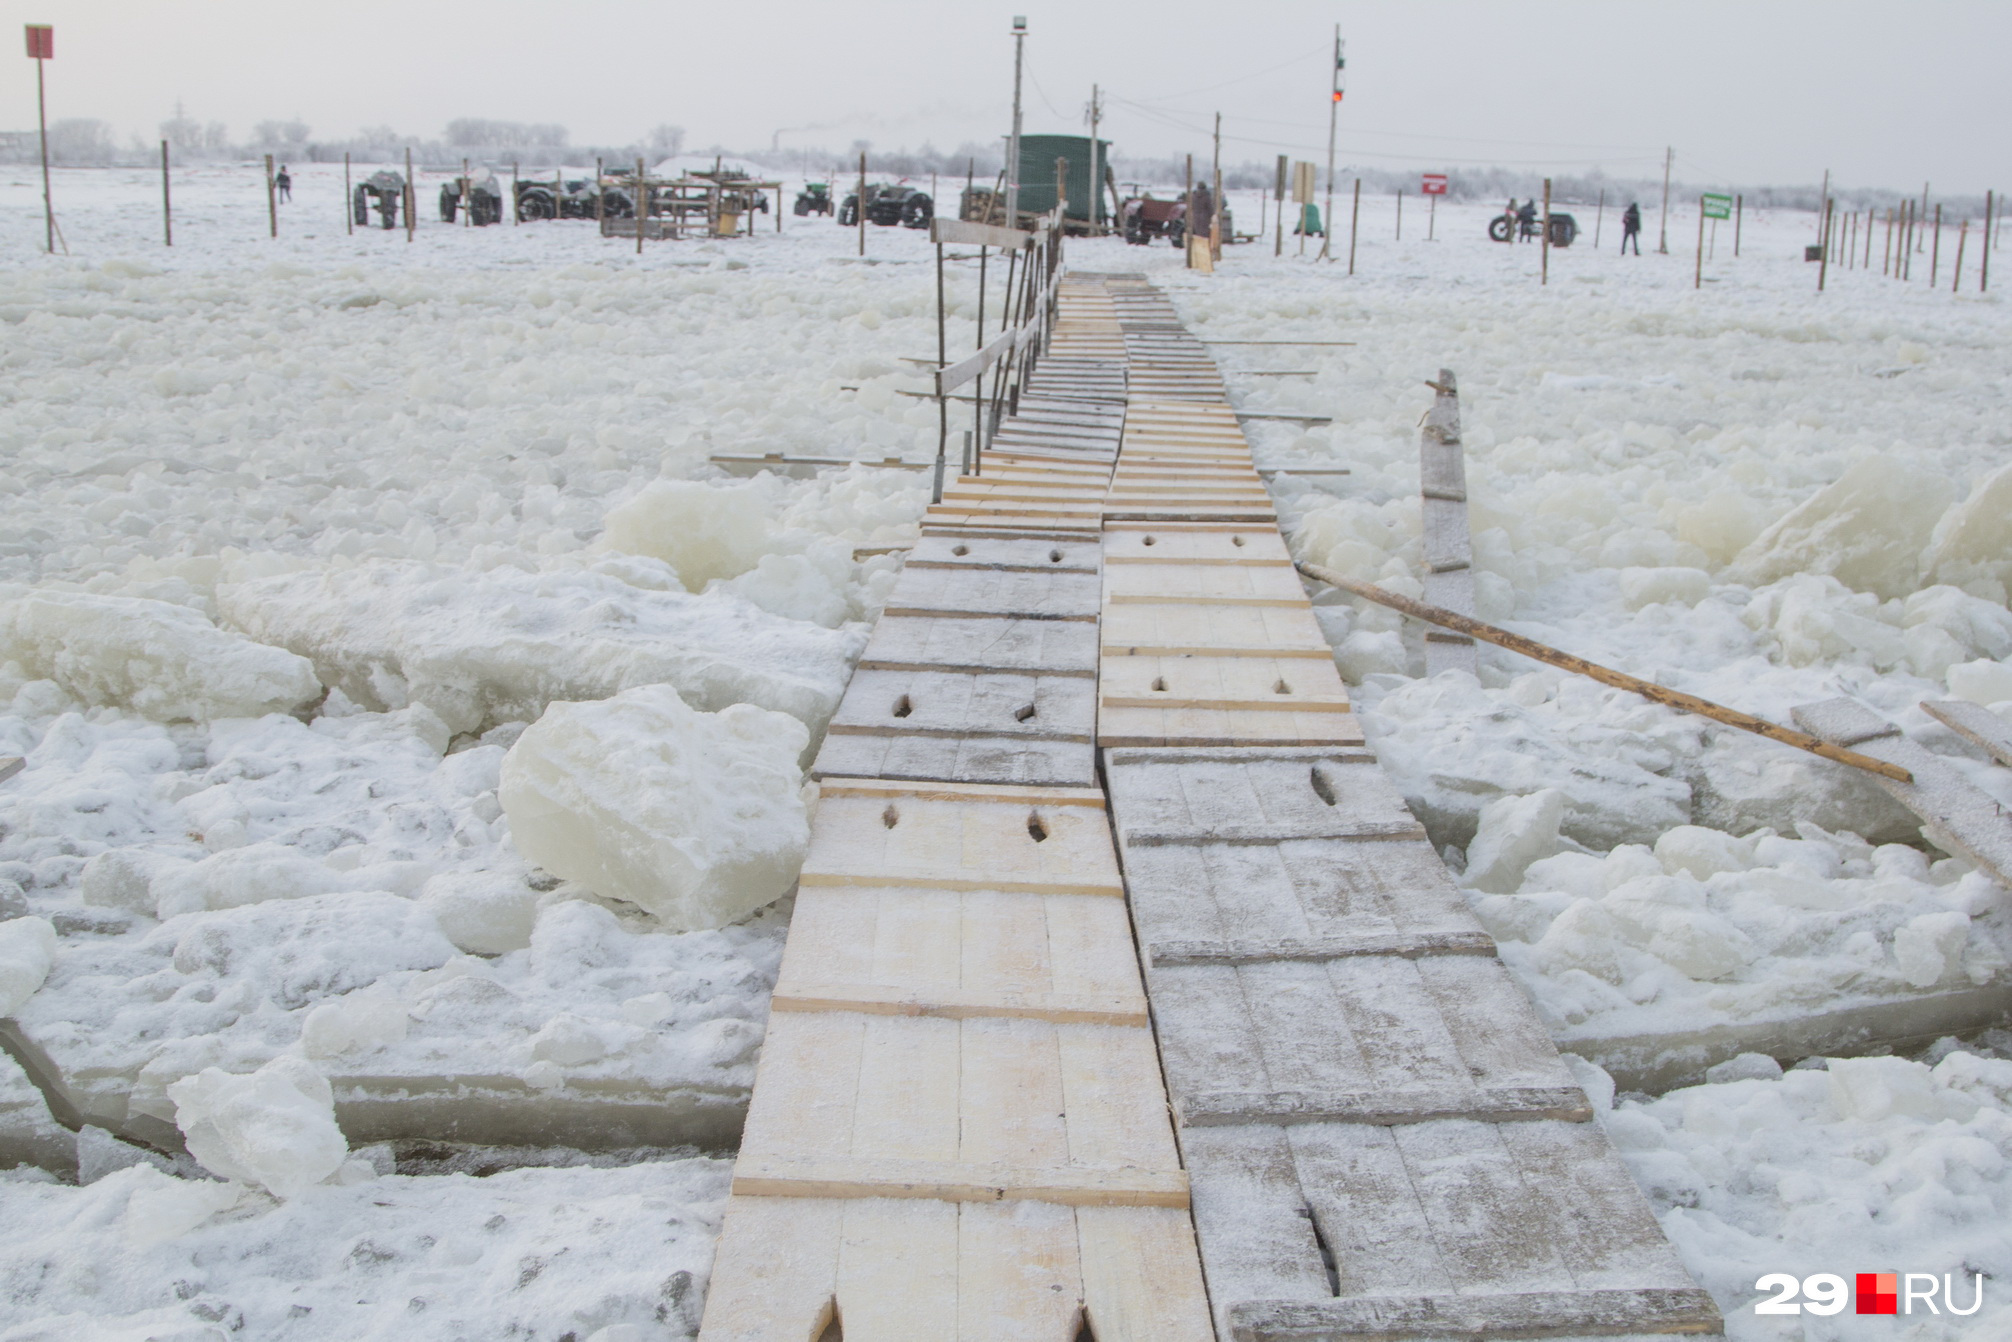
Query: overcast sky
1750, 93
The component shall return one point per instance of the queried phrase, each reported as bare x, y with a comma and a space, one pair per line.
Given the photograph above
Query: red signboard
1435, 184
41, 41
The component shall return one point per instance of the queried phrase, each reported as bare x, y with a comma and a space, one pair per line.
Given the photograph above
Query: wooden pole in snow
411, 197
348, 198
1739, 214
1956, 274
1544, 251
1400, 214
167, 205
271, 197
1599, 217
1823, 247
1698, 280
861, 198
1984, 245
1935, 252
643, 205
1354, 219
1648, 689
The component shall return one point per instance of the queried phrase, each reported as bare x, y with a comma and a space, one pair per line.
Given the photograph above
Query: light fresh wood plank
1019, 1273
1306, 684
1179, 630
896, 839
981, 646
962, 1004
988, 759
1272, 583
1116, 1105
1142, 1278
1201, 725
806, 1086
775, 1270
962, 703
1011, 1096
950, 1181
898, 1271
907, 1105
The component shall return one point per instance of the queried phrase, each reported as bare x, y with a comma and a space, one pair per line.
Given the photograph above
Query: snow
463, 480
696, 817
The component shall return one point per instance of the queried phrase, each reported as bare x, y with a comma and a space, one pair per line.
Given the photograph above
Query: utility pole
42, 46
1012, 144
1096, 171
1669, 157
1333, 108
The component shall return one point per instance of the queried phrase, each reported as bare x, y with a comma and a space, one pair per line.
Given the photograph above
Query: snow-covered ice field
302, 537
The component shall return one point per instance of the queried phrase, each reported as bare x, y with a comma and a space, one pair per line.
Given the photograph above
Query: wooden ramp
1381, 1139
959, 1129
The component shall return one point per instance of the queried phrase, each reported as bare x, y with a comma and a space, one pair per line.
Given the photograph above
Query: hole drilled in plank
1281, 687
1160, 684
1054, 556
956, 550
1323, 786
831, 1330
1149, 541
903, 706
1036, 827
1022, 714
891, 817
1236, 540
1084, 1332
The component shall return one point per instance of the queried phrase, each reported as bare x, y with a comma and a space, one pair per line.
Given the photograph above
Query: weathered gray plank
1591, 1207
1253, 797
1955, 813
1532, 1314
1973, 722
11, 765
963, 703
1055, 647
959, 759
1251, 1220
938, 551
1474, 1197
990, 591
1408, 944
1359, 1191
1383, 1108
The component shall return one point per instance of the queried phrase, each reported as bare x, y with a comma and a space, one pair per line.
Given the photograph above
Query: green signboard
1717, 206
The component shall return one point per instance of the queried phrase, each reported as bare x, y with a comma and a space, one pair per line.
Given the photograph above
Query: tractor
485, 200
888, 206
1142, 218
815, 198
382, 191
572, 199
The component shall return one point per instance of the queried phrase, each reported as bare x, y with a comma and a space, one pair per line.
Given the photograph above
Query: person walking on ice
284, 183
1631, 228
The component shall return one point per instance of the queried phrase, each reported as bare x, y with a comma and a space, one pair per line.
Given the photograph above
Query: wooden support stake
167, 204
1354, 218
348, 198
1956, 273
271, 198
1935, 252
1648, 689
411, 197
860, 209
467, 197
1599, 216
643, 205
1739, 213
1698, 277
1823, 254
1400, 214
1544, 251
1984, 244
516, 215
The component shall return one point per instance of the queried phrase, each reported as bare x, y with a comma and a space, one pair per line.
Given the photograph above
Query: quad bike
815, 198
1564, 229
888, 206
381, 191
485, 201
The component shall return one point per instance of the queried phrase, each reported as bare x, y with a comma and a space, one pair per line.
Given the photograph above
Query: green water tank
1037, 175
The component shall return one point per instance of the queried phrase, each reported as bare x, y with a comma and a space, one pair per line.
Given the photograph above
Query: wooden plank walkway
959, 1128
1382, 1140
976, 1117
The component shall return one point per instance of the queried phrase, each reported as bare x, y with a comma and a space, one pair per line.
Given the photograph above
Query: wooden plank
962, 1004
775, 1270
1383, 1107
966, 759
1959, 816
1142, 1281
1275, 584
1204, 725
1253, 1223
962, 703
1973, 722
898, 1271
1396, 1318
981, 645
950, 1181
11, 765
953, 592
1165, 630
1411, 945
870, 837
1019, 1272
1135, 544
1260, 798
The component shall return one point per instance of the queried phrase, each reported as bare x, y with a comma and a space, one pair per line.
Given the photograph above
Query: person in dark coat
1631, 228
285, 183
1526, 221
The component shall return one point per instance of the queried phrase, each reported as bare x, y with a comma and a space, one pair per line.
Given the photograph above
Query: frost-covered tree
280, 134
81, 140
666, 140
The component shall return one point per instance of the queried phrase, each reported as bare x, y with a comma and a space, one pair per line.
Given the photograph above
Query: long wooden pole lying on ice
1648, 689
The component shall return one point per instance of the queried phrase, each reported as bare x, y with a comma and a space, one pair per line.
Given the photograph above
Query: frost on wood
274, 1128
497, 646
696, 817
1867, 530
165, 661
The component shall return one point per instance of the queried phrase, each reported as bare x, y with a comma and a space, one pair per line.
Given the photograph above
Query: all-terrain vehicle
485, 200
1142, 218
1564, 229
381, 191
888, 206
815, 198
573, 199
